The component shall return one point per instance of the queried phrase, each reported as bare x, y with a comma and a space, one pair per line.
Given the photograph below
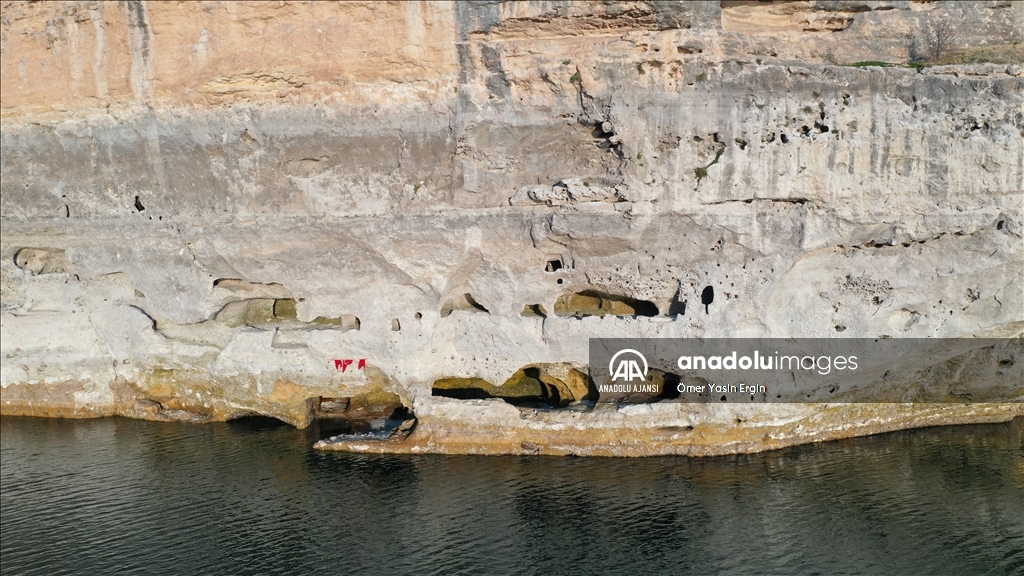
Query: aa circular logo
625, 366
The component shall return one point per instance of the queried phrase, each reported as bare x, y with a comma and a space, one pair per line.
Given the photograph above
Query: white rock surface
403, 198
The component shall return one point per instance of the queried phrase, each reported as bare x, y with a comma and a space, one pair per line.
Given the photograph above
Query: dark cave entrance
595, 303
376, 415
707, 296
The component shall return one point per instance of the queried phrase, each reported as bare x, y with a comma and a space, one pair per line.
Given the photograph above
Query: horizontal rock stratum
218, 209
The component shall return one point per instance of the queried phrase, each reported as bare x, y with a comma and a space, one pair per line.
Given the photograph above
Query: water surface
252, 497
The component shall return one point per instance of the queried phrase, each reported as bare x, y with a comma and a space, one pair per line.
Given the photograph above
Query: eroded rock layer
297, 209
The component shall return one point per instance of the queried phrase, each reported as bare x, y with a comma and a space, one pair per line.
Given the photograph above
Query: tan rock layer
167, 395
77, 55
835, 423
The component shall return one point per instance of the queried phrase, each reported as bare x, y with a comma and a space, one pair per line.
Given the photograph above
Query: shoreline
431, 435
699, 440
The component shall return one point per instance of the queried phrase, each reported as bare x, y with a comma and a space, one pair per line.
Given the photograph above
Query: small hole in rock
395, 325
553, 266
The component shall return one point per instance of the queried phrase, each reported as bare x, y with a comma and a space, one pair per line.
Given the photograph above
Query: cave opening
376, 414
534, 310
345, 322
670, 387
707, 296
533, 387
596, 303
462, 302
468, 392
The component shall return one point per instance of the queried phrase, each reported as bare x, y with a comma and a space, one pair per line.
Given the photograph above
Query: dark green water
118, 496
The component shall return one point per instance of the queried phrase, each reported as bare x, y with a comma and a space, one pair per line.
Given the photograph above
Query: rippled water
251, 497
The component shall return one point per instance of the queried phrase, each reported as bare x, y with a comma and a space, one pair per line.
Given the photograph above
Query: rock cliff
210, 208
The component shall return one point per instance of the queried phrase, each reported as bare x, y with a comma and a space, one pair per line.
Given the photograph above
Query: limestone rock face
218, 209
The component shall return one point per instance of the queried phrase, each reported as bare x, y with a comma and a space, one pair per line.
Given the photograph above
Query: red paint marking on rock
343, 364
